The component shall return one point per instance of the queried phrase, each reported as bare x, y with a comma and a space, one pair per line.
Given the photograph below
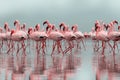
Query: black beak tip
45, 22
72, 27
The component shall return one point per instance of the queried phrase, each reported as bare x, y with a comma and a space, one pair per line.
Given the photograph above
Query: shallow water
84, 65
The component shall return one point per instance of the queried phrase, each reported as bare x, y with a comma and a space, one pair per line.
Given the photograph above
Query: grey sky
81, 12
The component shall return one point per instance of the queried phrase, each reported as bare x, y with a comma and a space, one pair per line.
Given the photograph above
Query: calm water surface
84, 65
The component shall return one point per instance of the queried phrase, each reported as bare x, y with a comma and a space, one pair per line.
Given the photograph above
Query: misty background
81, 12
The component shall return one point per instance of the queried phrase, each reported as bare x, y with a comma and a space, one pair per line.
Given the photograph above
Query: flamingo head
62, 24
50, 26
115, 22
75, 27
96, 26
106, 26
96, 21
16, 22
37, 27
109, 25
64, 29
53, 27
6, 25
29, 30
72, 27
47, 28
24, 25
46, 22
12, 31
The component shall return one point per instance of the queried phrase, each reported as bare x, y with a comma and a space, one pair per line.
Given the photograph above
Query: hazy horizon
81, 12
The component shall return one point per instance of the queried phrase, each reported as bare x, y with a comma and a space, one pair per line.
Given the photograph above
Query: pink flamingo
79, 35
56, 36
8, 36
3, 38
19, 36
93, 37
69, 37
38, 36
112, 34
102, 36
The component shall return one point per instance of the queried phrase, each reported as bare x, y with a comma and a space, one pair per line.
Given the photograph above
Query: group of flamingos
101, 32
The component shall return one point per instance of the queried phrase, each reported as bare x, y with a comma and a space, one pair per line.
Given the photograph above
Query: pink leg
114, 48
37, 47
103, 48
43, 47
54, 45
71, 45
17, 48
60, 48
83, 44
24, 48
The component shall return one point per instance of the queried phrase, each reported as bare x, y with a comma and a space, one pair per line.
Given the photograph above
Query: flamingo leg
37, 47
103, 48
43, 47
110, 46
69, 48
114, 48
17, 48
53, 49
83, 44
60, 48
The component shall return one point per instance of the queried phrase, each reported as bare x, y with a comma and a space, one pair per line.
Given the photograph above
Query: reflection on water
86, 65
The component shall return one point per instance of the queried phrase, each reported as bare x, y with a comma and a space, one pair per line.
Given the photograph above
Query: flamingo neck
111, 29
17, 26
7, 29
49, 30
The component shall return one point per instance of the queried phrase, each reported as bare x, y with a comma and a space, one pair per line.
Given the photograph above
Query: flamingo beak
36, 26
96, 28
116, 22
44, 23
96, 24
47, 28
72, 27
63, 28
107, 26
29, 30
5, 26
61, 25
15, 23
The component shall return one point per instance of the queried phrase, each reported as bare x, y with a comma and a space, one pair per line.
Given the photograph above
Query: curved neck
17, 26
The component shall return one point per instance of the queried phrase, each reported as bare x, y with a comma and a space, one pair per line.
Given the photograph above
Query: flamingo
69, 36
112, 34
38, 36
8, 32
2, 37
101, 35
19, 36
79, 35
56, 36
92, 34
